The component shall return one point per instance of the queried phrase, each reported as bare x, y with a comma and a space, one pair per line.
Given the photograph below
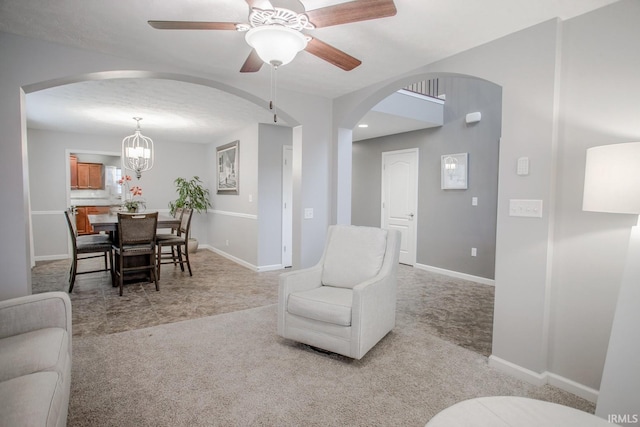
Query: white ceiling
423, 31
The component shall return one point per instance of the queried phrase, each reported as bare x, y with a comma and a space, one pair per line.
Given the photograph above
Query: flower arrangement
133, 195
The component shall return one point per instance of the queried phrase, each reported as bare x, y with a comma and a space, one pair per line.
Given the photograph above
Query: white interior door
400, 198
287, 201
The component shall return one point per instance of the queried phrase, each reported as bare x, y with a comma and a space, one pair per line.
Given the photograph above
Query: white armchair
347, 302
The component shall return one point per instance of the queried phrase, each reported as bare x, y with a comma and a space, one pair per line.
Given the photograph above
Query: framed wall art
454, 171
228, 168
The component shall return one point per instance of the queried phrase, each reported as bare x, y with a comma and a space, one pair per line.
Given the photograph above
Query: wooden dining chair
136, 239
179, 244
177, 214
87, 247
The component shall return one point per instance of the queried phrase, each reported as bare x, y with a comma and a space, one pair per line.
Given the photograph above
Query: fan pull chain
271, 88
274, 89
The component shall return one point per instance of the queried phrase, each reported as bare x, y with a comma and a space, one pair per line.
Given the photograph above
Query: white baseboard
273, 267
242, 262
456, 274
52, 257
571, 386
544, 378
517, 371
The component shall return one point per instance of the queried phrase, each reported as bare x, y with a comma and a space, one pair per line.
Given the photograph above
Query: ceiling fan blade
260, 4
332, 55
353, 11
192, 25
252, 64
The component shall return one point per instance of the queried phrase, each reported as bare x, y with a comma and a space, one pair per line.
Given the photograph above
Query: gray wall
448, 225
589, 247
234, 227
247, 227
272, 139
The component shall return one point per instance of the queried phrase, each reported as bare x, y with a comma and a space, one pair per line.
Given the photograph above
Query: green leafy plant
191, 194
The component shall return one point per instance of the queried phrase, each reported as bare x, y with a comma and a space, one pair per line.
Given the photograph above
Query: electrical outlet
474, 252
308, 213
226, 242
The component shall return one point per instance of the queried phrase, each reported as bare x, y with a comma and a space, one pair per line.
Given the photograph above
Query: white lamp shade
612, 179
276, 44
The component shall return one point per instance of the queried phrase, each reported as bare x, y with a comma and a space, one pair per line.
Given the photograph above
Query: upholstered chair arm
33, 312
301, 280
293, 281
373, 310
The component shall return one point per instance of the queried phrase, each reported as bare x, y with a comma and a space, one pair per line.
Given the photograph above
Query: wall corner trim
257, 268
540, 379
456, 274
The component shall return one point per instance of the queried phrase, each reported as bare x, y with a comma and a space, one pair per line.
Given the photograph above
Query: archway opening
456, 228
157, 185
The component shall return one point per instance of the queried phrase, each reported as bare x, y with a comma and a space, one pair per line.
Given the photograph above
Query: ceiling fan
275, 33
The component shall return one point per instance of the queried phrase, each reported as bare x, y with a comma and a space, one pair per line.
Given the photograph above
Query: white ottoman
507, 411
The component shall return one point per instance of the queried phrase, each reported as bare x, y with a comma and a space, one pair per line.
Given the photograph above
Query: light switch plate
308, 213
526, 208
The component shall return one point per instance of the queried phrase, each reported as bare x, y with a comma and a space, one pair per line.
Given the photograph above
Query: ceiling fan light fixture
275, 44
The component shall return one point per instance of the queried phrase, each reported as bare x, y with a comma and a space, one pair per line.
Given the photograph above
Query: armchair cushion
353, 255
326, 304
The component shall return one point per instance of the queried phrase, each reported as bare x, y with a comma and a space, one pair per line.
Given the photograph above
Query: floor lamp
612, 184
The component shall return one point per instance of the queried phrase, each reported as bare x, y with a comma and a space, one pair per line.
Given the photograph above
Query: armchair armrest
301, 280
370, 296
374, 301
293, 281
33, 312
373, 312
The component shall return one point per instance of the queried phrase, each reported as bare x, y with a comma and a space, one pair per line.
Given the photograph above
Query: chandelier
137, 151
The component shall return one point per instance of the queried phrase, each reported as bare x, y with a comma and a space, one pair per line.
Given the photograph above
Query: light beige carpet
233, 370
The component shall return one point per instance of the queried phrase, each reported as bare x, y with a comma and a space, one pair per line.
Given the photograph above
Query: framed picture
228, 168
454, 171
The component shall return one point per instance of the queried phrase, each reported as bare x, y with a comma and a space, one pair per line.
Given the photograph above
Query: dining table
109, 223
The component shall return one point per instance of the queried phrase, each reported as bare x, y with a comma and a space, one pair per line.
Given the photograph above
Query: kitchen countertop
95, 202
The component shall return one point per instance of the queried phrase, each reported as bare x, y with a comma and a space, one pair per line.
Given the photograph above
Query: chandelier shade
137, 151
275, 44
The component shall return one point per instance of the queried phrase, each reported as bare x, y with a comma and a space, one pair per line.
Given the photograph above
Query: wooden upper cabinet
73, 165
95, 175
89, 176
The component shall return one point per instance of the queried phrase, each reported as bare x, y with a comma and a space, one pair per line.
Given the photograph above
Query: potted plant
191, 194
132, 202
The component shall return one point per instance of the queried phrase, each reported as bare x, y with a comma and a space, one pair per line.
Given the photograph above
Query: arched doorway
456, 228
158, 185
